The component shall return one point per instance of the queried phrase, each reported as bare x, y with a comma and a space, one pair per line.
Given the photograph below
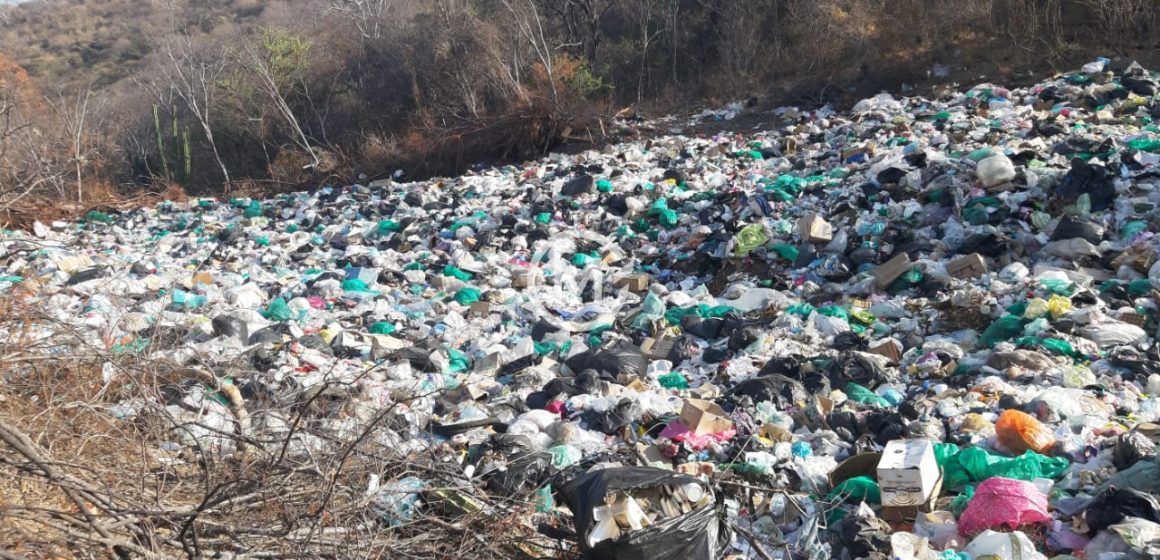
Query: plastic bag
1004, 328
1004, 546
981, 465
995, 170
1003, 502
749, 238
397, 501
701, 533
860, 394
1018, 432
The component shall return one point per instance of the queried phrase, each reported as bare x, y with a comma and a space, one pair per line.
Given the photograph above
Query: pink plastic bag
1003, 502
679, 433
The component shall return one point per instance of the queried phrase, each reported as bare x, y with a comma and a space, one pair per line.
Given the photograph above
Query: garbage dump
917, 329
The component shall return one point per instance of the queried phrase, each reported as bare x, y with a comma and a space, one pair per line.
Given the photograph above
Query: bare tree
192, 76
367, 15
531, 26
256, 62
74, 117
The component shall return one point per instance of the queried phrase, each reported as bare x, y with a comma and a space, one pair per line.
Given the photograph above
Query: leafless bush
1119, 19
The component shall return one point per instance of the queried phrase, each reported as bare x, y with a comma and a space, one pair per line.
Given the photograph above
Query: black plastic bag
702, 534
1086, 178
1115, 504
777, 388
867, 538
623, 358
522, 475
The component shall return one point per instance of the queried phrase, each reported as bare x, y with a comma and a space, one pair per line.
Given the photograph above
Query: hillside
217, 95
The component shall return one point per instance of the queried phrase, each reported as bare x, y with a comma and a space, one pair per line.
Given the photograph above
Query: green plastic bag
835, 311
1145, 144
277, 311
857, 489
749, 238
981, 465
860, 394
544, 348
959, 504
455, 272
673, 380
545, 503
604, 185
660, 210
94, 216
651, 309
354, 285
253, 210
467, 296
1058, 287
787, 252
382, 327
802, 309
388, 226
457, 361
1004, 328
947, 457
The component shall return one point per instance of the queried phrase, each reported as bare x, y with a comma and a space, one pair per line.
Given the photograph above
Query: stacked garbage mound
918, 329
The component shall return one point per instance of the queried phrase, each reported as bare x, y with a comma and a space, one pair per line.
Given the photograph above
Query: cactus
179, 150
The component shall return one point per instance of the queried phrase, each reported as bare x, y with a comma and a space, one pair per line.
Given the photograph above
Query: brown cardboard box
704, 417
888, 348
889, 271
969, 266
636, 283
480, 309
814, 229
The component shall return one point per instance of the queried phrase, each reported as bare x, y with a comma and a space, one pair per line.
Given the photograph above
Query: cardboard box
466, 392
907, 472
489, 365
655, 349
969, 266
814, 229
889, 348
889, 271
479, 309
900, 514
636, 283
704, 417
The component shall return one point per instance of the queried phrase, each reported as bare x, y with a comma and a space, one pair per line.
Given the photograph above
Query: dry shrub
78, 482
1117, 20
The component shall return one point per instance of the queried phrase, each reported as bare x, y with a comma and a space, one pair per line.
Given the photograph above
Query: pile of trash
920, 329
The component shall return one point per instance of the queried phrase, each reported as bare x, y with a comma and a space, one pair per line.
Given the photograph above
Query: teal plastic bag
382, 327
278, 310
860, 394
981, 465
467, 296
1004, 328
454, 272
